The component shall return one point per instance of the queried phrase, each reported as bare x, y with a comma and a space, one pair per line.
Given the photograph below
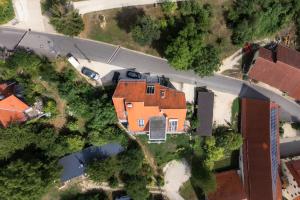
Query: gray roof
205, 113
74, 164
157, 128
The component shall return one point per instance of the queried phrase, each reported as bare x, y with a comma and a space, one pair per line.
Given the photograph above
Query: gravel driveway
176, 173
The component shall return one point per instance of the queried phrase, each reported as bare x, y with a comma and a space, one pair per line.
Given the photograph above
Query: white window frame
141, 123
170, 129
152, 89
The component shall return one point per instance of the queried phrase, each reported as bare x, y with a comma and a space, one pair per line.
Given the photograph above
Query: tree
27, 179
146, 31
135, 187
212, 152
70, 24
168, 7
132, 160
229, 141
206, 61
103, 170
14, 138
185, 49
89, 195
75, 143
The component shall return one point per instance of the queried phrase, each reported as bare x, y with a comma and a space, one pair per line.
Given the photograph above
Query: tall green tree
103, 170
146, 31
135, 187
27, 179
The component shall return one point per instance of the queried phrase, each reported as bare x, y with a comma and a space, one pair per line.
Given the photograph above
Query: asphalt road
51, 45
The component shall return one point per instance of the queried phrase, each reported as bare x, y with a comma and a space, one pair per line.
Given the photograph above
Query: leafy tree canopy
146, 31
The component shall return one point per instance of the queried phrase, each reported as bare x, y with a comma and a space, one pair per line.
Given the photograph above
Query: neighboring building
260, 150
229, 187
279, 68
12, 109
205, 109
291, 178
148, 106
74, 164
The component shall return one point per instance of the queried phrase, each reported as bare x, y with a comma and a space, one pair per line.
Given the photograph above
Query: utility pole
16, 46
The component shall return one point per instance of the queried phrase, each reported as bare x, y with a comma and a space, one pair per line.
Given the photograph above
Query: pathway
29, 16
176, 173
97, 5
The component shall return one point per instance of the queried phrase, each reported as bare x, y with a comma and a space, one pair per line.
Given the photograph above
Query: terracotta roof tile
283, 74
135, 91
256, 150
229, 187
12, 110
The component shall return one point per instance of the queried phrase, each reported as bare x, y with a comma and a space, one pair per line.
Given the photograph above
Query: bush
168, 7
146, 31
50, 107
64, 18
6, 11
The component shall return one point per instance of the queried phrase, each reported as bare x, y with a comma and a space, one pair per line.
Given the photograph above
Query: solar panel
274, 147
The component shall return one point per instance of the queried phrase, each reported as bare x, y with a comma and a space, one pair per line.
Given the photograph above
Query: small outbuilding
205, 108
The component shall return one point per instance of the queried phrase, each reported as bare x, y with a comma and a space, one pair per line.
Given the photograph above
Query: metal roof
74, 164
157, 128
205, 112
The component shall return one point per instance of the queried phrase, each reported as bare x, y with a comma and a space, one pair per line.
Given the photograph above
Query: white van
74, 62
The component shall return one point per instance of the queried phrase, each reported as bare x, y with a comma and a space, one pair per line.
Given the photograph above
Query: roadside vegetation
252, 20
6, 11
63, 17
30, 151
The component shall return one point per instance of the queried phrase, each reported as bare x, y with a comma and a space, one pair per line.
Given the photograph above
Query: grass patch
176, 147
6, 11
230, 161
187, 191
116, 26
235, 113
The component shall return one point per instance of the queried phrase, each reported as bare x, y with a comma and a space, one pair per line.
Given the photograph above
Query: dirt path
60, 120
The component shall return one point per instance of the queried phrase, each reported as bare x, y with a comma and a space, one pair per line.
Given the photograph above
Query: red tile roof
12, 110
229, 187
294, 167
135, 91
256, 150
282, 72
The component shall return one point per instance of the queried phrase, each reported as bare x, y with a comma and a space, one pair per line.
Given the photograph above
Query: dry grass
112, 32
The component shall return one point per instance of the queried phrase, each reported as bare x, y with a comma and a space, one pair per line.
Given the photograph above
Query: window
162, 94
141, 123
150, 89
173, 124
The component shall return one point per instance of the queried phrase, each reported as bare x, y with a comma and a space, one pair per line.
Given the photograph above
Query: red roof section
135, 91
12, 110
294, 167
256, 150
283, 73
229, 187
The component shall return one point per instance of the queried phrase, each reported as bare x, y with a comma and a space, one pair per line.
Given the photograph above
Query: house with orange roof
147, 106
260, 153
278, 67
12, 109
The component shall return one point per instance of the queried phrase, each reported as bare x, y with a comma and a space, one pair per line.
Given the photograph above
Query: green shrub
146, 31
6, 11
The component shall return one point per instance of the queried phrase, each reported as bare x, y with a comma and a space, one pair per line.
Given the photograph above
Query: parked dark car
90, 73
116, 77
133, 75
